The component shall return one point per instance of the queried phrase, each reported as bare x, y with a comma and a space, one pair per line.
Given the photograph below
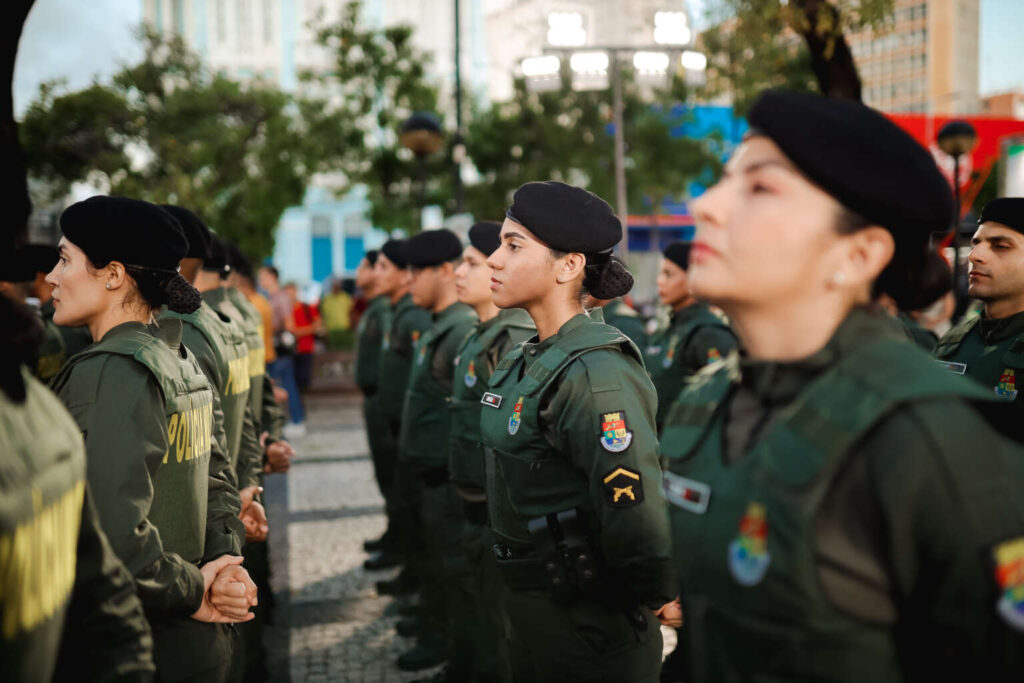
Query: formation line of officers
132, 536
797, 486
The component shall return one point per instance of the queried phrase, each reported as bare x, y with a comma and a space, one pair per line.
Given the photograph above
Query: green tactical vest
393, 375
526, 476
997, 366
52, 352
744, 534
180, 487
252, 326
229, 344
426, 418
375, 321
471, 376
42, 485
665, 351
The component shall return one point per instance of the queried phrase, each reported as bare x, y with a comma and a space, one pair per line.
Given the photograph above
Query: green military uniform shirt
408, 322
627, 320
61, 587
474, 362
52, 354
852, 516
989, 351
373, 325
918, 333
695, 337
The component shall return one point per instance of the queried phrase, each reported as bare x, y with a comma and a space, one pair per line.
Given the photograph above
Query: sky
79, 41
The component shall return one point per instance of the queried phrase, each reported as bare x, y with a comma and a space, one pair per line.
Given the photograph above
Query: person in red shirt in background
308, 325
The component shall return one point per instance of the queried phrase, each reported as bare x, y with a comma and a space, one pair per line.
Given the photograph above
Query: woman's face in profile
79, 294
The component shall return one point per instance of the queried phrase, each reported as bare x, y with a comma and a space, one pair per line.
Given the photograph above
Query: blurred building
1008, 105
924, 60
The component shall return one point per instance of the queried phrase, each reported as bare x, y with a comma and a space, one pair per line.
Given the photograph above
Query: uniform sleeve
225, 532
125, 440
250, 454
604, 391
205, 356
948, 490
106, 635
272, 418
707, 345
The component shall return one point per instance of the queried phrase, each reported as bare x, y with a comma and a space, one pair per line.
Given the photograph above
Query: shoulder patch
1009, 566
623, 487
615, 435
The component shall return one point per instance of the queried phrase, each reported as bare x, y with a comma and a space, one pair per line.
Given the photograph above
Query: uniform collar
688, 313
778, 383
994, 330
532, 349
456, 307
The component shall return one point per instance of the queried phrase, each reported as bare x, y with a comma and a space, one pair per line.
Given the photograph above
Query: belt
520, 572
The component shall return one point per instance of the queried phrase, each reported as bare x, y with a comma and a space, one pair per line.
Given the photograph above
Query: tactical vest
181, 483
229, 345
467, 459
375, 321
42, 485
426, 418
663, 355
393, 375
526, 477
952, 340
999, 370
251, 323
52, 353
744, 534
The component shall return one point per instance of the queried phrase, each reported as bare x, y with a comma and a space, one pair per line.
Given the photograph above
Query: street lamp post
957, 138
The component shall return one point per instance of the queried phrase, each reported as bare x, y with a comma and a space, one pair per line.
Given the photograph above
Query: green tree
169, 131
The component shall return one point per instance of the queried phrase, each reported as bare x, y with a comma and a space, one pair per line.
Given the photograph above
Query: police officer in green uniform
695, 335
841, 510
572, 454
990, 348
66, 602
18, 268
408, 322
373, 324
497, 333
426, 424
162, 484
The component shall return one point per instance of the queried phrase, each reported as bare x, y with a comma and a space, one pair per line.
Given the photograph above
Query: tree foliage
169, 131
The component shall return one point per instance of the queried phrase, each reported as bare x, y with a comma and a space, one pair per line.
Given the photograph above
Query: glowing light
589, 62
565, 29
534, 67
694, 61
670, 28
651, 62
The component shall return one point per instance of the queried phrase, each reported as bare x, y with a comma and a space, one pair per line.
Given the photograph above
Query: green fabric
552, 456
61, 586
754, 537
477, 357
919, 334
992, 350
252, 325
627, 320
695, 338
426, 418
52, 353
408, 322
375, 321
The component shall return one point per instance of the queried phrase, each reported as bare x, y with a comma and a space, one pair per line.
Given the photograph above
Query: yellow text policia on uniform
238, 376
189, 433
37, 562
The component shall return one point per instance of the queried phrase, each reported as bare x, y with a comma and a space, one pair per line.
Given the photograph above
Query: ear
570, 267
867, 252
114, 275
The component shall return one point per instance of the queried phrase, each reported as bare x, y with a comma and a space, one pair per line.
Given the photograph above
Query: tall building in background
925, 60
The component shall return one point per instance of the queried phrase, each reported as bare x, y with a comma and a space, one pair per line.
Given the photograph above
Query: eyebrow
513, 235
759, 165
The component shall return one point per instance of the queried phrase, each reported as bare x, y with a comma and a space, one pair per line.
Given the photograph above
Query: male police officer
990, 348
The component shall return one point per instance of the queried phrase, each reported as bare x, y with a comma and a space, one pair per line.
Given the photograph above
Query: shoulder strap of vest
950, 342
582, 340
505, 365
441, 328
698, 322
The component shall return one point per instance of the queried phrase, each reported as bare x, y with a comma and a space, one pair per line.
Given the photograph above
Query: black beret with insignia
485, 236
392, 249
1008, 211
131, 231
679, 253
196, 232
371, 257
864, 160
431, 248
565, 217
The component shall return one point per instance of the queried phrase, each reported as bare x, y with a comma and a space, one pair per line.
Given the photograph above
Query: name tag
492, 400
958, 368
686, 493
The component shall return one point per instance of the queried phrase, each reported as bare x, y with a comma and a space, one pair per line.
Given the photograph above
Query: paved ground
329, 623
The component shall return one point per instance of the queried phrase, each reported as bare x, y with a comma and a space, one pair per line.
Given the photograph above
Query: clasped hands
670, 614
228, 592
253, 515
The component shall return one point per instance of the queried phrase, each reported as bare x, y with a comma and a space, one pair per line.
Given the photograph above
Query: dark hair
907, 275
159, 288
21, 334
604, 276
272, 269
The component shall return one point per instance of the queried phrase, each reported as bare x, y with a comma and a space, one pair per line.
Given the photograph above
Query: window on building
320, 225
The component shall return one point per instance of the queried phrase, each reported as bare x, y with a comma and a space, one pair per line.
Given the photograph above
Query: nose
51, 277
706, 209
494, 261
975, 256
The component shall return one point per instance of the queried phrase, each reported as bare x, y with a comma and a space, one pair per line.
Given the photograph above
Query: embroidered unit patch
748, 553
623, 488
1007, 387
615, 436
470, 378
515, 420
1009, 560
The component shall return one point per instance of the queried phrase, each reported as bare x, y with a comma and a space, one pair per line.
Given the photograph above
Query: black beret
196, 232
392, 249
566, 218
131, 231
216, 256
41, 257
679, 253
431, 248
238, 261
14, 267
864, 160
371, 257
485, 236
1006, 210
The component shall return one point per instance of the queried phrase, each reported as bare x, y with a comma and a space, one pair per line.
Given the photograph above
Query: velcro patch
492, 400
623, 488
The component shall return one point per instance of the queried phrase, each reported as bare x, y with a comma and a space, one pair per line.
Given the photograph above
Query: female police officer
572, 457
160, 480
841, 508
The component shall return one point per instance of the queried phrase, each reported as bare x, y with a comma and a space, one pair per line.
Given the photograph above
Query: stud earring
839, 278
108, 285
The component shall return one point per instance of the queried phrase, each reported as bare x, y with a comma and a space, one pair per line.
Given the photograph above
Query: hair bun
608, 280
181, 296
